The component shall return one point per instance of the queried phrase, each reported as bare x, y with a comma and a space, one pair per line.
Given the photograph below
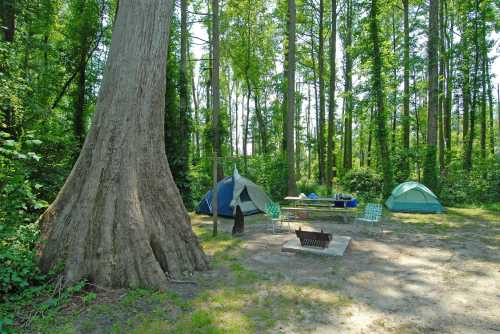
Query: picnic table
326, 207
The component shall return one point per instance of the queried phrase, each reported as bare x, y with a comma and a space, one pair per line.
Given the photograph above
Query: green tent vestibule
413, 197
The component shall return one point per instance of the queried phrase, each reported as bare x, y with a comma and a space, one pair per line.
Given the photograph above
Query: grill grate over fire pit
313, 239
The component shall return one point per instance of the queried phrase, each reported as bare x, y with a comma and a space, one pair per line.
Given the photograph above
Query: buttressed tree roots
119, 219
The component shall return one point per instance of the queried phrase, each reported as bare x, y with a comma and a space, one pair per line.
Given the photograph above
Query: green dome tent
413, 197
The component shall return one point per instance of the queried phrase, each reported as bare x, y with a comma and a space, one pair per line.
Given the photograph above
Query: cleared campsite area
425, 274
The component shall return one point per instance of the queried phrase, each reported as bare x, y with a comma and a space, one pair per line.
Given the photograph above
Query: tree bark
381, 118
348, 90
405, 170
217, 167
290, 147
484, 63
184, 92
321, 75
330, 154
441, 87
119, 219
449, 85
472, 116
430, 171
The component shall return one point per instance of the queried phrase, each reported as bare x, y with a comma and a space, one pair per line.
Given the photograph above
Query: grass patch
454, 220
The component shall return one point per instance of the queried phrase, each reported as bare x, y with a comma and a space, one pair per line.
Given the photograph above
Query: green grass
242, 301
238, 299
454, 220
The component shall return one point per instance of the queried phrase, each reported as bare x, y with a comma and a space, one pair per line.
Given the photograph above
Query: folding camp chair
273, 212
372, 215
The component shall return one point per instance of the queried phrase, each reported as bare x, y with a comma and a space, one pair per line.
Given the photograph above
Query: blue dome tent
232, 191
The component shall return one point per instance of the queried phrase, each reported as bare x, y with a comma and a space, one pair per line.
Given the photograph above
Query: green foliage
479, 186
365, 182
270, 173
18, 266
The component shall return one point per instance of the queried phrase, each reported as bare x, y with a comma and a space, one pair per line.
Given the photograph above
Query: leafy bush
366, 183
18, 267
271, 173
481, 185
19, 207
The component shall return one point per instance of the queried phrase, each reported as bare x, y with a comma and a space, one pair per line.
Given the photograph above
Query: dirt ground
422, 274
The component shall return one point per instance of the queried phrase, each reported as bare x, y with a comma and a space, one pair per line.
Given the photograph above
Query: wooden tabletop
319, 199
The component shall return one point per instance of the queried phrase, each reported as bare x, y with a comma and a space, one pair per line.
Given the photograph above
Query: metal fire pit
313, 239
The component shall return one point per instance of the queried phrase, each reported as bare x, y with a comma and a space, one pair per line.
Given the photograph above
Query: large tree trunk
119, 219
430, 171
290, 147
378, 90
330, 154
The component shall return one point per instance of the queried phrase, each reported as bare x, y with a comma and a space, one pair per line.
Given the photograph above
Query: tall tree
330, 155
290, 147
405, 168
348, 89
378, 90
184, 93
472, 115
119, 219
217, 168
430, 171
321, 75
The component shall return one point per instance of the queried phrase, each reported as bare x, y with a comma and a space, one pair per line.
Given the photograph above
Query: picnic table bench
305, 212
328, 207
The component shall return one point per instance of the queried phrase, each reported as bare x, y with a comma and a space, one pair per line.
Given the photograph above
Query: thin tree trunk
348, 90
309, 135
491, 124
370, 131
184, 94
449, 85
292, 188
119, 219
441, 87
196, 117
79, 113
430, 171
406, 96
472, 128
236, 126
217, 167
330, 155
395, 85
484, 88
321, 75
377, 81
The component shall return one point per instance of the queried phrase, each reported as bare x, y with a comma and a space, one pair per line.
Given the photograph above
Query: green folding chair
273, 212
372, 215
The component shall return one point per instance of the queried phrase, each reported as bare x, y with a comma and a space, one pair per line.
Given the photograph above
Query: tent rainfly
232, 191
413, 197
